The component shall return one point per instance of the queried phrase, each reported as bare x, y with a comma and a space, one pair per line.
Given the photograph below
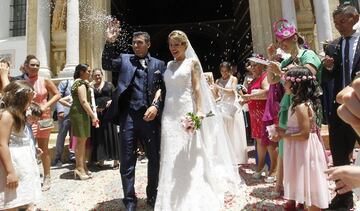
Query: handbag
55, 113
46, 124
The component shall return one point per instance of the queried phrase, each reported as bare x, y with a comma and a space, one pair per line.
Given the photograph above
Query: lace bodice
177, 79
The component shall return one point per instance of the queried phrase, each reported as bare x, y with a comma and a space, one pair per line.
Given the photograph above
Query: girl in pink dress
43, 88
304, 159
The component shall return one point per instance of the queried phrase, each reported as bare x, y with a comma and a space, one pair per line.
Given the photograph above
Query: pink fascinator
283, 29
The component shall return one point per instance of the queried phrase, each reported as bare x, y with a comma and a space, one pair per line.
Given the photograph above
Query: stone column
288, 11
262, 15
43, 37
323, 23
72, 38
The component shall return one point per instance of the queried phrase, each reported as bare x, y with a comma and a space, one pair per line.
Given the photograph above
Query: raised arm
234, 82
4, 75
110, 55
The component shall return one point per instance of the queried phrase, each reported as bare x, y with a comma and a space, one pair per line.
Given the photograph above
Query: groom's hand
150, 113
113, 30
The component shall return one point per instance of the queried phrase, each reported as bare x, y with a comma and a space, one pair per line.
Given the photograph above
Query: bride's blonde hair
179, 36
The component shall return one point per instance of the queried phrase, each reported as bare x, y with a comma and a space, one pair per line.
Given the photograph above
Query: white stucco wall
5, 19
12, 47
15, 47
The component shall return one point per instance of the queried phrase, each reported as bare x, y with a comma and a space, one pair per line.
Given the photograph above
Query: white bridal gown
196, 171
234, 121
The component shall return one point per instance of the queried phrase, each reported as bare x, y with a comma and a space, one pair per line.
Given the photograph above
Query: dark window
18, 18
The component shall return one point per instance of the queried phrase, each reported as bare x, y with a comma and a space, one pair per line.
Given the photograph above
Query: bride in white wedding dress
196, 170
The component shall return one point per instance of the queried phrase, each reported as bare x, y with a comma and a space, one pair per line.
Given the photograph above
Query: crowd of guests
26, 112
288, 96
280, 99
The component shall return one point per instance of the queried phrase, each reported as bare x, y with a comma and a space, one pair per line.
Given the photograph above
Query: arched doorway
218, 30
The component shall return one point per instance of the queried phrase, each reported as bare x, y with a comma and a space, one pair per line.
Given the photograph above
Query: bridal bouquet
191, 122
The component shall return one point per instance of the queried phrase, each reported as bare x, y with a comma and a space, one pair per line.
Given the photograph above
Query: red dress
256, 108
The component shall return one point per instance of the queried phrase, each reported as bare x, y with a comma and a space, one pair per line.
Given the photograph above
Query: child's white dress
304, 166
24, 162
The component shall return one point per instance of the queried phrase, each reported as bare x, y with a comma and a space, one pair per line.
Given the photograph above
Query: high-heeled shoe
46, 184
80, 175
257, 175
89, 173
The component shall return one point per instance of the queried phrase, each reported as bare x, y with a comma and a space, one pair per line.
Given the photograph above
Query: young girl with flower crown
304, 158
19, 183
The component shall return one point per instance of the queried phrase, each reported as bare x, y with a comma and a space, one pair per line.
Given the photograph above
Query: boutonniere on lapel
157, 72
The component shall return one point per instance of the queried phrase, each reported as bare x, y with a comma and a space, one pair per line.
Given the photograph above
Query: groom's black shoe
150, 202
131, 207
342, 202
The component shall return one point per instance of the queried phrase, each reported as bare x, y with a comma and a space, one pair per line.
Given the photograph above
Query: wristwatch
156, 103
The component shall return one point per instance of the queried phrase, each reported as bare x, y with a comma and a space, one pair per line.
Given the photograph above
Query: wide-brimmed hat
283, 29
259, 58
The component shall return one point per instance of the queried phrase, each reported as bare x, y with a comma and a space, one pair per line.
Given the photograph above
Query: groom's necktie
143, 63
347, 61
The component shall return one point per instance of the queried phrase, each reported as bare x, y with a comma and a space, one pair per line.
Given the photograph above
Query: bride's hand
113, 30
200, 114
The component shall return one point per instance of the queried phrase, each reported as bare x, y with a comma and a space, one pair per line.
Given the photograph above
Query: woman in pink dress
43, 88
256, 99
304, 159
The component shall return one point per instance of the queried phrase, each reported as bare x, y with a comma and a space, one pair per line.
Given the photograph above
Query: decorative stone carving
59, 16
58, 36
306, 21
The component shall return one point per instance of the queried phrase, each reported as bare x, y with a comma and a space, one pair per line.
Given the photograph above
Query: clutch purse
46, 124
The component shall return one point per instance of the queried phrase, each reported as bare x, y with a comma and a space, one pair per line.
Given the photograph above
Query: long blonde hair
15, 99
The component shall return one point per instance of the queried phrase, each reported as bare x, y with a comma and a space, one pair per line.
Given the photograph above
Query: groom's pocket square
157, 72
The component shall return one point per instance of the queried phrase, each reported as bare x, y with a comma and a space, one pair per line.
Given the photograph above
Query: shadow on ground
116, 204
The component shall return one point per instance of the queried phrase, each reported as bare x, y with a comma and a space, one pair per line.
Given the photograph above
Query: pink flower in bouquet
188, 124
191, 122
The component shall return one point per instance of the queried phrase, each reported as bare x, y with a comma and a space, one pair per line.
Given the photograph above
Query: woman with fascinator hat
197, 170
256, 99
290, 42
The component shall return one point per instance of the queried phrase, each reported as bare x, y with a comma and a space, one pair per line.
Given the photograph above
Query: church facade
63, 33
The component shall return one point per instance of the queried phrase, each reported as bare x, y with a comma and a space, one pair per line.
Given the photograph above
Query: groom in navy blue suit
136, 106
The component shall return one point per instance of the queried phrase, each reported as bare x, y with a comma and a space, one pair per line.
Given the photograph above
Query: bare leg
46, 162
261, 150
279, 175
80, 155
273, 159
45, 157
